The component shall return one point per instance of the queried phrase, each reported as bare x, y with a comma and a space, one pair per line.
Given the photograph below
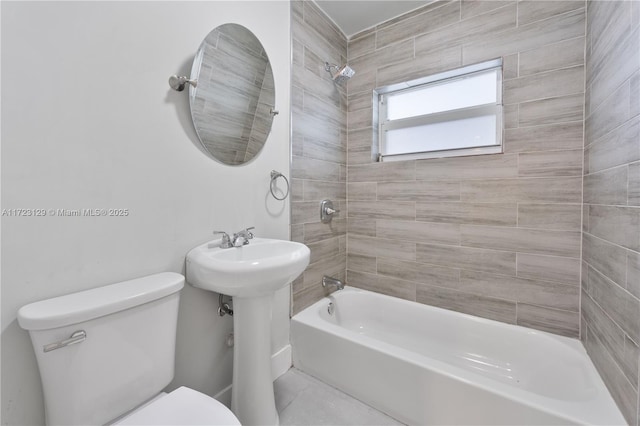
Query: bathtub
428, 366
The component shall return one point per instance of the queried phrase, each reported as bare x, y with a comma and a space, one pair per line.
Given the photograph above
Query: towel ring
274, 176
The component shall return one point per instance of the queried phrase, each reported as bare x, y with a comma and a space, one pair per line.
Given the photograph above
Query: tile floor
302, 400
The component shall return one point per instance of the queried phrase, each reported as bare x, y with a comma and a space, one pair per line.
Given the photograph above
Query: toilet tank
126, 358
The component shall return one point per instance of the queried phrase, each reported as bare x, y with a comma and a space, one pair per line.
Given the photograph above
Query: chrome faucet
330, 281
241, 238
226, 241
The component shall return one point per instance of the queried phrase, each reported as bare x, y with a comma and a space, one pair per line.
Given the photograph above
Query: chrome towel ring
274, 177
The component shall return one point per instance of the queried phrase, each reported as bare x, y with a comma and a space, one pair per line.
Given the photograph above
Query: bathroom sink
256, 269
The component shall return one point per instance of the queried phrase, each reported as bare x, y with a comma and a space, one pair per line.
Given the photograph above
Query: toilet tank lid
97, 302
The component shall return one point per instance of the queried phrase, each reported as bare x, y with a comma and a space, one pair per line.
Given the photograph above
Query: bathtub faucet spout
328, 281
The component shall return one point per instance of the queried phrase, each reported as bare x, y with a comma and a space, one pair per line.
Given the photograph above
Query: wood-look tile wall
611, 238
497, 236
319, 122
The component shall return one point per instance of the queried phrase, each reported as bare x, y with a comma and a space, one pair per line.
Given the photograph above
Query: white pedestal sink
251, 274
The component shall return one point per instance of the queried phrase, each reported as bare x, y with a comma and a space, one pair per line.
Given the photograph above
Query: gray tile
534, 10
382, 210
419, 272
564, 54
324, 249
631, 361
322, 150
611, 113
550, 216
607, 258
510, 66
361, 119
421, 191
551, 111
472, 167
317, 190
504, 214
317, 20
535, 292
510, 116
606, 72
297, 189
466, 30
619, 225
526, 37
523, 240
549, 84
378, 247
622, 307
602, 326
433, 18
472, 8
297, 233
550, 163
621, 146
399, 171
472, 304
362, 191
384, 56
362, 45
494, 261
364, 173
304, 400
319, 231
358, 262
633, 273
527, 190
621, 389
422, 232
309, 168
386, 285
565, 323
333, 266
305, 212
436, 61
633, 185
550, 268
304, 298
359, 226
606, 187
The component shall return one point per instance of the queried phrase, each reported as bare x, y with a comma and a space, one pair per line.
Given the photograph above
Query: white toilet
105, 355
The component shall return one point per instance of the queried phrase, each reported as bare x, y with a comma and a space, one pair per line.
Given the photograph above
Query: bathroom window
454, 113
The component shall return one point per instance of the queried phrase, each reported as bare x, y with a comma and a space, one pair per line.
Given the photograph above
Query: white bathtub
425, 366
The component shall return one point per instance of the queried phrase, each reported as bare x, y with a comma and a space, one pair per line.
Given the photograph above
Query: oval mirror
232, 105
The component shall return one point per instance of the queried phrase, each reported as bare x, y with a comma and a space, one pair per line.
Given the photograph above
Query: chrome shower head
341, 74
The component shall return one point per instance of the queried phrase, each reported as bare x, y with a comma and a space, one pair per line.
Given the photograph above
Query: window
458, 112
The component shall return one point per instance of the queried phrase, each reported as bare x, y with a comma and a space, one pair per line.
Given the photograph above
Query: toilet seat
183, 406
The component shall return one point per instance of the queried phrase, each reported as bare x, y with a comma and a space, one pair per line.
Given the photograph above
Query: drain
330, 308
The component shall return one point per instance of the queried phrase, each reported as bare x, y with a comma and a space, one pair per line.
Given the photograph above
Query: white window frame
381, 124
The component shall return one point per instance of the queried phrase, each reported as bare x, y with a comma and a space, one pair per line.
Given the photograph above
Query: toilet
106, 354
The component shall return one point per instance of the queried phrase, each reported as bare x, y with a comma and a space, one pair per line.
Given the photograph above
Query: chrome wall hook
179, 82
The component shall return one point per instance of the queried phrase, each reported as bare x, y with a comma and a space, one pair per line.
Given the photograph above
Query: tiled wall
319, 148
497, 236
611, 239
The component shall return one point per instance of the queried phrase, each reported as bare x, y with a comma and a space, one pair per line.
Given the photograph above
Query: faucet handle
226, 240
249, 233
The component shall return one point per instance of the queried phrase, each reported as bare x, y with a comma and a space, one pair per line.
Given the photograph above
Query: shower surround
497, 236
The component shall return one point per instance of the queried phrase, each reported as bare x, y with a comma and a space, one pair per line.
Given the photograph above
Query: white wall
89, 121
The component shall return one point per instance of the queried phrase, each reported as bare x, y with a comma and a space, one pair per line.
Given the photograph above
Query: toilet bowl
183, 406
106, 354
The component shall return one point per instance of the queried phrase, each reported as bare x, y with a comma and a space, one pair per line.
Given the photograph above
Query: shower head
339, 74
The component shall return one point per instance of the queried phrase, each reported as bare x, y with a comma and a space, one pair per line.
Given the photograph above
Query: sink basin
257, 269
